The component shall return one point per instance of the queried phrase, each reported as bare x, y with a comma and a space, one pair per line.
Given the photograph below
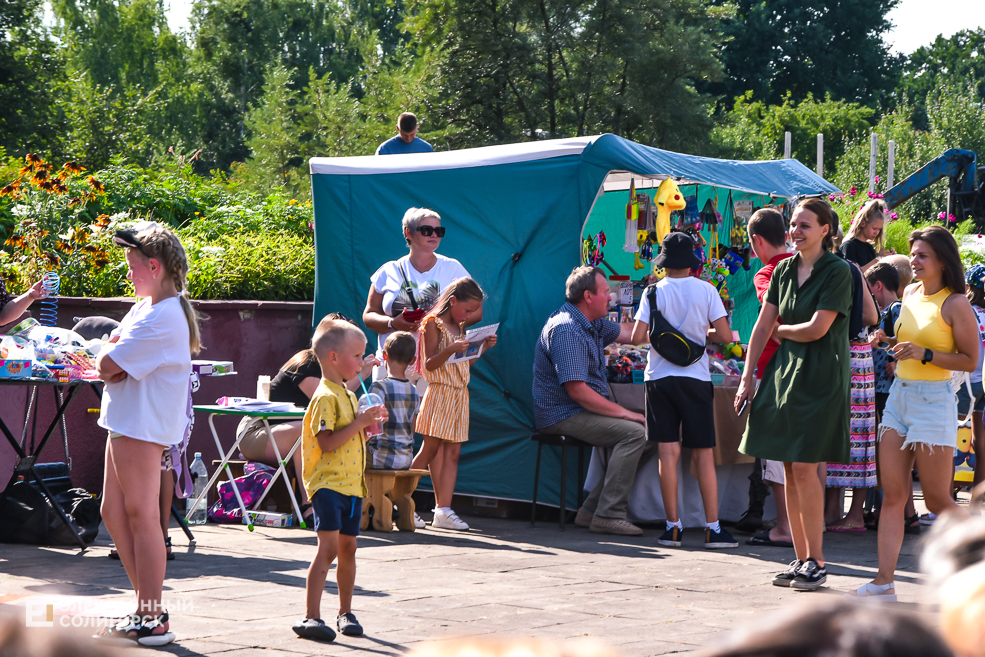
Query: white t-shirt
426, 286
690, 305
150, 402
976, 376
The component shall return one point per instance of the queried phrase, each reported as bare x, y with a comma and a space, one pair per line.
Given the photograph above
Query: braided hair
163, 245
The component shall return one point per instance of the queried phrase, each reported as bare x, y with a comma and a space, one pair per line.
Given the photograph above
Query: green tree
753, 130
529, 68
802, 47
960, 57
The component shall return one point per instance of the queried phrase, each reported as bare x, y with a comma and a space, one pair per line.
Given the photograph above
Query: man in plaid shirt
394, 448
571, 396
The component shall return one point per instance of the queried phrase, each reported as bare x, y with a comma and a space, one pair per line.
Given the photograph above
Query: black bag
27, 517
667, 341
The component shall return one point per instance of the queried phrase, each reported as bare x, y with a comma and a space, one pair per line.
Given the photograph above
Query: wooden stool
386, 489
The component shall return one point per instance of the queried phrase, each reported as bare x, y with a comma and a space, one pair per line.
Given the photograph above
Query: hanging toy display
50, 286
742, 210
632, 220
691, 215
667, 200
591, 250
644, 230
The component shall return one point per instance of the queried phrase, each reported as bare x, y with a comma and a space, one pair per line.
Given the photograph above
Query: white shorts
924, 412
773, 471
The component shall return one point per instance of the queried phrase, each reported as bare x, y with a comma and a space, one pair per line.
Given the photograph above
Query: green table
295, 414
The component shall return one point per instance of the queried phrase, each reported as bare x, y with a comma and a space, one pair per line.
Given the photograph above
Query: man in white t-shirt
680, 400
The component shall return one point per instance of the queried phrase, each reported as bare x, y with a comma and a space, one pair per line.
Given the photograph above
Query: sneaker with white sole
448, 520
614, 526
584, 518
810, 577
786, 577
418, 522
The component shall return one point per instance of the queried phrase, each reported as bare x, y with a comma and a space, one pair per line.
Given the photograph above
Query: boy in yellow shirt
333, 460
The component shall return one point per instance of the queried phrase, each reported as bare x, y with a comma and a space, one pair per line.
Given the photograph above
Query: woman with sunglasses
403, 290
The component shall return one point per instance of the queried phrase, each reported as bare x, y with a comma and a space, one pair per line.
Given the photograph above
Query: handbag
667, 341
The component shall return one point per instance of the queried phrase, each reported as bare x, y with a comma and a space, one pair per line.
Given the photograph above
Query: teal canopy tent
514, 214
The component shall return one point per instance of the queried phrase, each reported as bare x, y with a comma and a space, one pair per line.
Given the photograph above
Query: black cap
677, 252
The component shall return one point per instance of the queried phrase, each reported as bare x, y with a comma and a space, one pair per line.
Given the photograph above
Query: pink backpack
256, 477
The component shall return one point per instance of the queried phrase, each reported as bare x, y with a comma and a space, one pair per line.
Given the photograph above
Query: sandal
912, 525
167, 545
119, 632
146, 633
874, 592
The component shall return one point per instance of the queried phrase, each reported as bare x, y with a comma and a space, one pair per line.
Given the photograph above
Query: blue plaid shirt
570, 348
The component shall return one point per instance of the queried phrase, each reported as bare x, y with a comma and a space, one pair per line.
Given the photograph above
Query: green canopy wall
514, 215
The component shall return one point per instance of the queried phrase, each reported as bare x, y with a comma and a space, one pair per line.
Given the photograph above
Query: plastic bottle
200, 477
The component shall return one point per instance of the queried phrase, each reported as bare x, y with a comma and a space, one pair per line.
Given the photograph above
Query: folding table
26, 461
296, 414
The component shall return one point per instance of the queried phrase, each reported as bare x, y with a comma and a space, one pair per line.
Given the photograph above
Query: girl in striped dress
444, 416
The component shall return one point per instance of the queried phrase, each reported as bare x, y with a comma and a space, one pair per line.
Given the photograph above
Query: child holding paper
444, 414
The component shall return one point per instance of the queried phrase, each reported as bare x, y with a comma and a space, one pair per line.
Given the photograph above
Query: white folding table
212, 410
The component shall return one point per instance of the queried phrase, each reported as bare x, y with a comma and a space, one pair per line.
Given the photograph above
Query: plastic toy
591, 249
667, 199
632, 219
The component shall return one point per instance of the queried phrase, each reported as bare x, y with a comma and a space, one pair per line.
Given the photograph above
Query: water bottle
200, 477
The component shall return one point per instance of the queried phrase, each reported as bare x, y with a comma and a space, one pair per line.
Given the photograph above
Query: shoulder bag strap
410, 292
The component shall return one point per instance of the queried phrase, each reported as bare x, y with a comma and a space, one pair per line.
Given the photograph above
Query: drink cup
369, 400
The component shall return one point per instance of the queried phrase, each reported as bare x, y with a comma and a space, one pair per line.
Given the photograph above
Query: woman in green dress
800, 414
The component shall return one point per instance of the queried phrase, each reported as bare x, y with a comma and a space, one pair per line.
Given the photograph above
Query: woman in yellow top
936, 332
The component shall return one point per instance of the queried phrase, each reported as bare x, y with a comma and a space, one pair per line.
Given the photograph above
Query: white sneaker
418, 523
448, 520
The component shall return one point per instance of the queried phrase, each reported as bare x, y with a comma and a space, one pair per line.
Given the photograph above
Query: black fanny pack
667, 341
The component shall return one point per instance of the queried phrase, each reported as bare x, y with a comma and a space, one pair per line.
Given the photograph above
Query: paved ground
235, 593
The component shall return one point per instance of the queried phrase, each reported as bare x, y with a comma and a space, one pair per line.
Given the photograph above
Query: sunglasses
428, 231
129, 239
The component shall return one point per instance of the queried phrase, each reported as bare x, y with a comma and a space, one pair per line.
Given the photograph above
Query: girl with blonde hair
865, 240
146, 366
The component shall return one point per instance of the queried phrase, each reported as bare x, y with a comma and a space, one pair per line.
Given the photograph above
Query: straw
362, 383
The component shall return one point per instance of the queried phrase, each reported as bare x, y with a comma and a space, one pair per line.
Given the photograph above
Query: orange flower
33, 159
47, 185
59, 187
53, 259
74, 202
11, 189
64, 247
16, 240
73, 167
97, 186
25, 170
39, 177
101, 262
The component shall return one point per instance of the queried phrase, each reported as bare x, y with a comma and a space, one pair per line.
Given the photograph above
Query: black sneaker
786, 577
313, 628
719, 540
810, 577
671, 537
348, 625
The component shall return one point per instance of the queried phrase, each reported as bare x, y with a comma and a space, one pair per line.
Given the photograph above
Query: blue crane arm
950, 164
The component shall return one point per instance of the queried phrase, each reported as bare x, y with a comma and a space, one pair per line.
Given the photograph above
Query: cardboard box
212, 367
16, 369
269, 519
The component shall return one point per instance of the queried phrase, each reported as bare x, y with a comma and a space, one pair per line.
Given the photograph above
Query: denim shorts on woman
964, 400
924, 412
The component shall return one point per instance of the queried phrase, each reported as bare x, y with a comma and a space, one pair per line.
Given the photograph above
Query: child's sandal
148, 634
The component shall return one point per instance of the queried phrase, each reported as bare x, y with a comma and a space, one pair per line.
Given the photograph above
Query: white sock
678, 524
444, 509
714, 526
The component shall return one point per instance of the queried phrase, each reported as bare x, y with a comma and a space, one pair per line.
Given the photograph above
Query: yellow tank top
921, 322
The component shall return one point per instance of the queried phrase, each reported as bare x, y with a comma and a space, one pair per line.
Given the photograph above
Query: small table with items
26, 461
296, 414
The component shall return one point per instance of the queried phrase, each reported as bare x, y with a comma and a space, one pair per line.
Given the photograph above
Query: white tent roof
468, 157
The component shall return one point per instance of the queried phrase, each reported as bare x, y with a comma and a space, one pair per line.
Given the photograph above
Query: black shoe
671, 537
167, 547
349, 626
750, 522
313, 628
810, 577
719, 540
912, 525
786, 577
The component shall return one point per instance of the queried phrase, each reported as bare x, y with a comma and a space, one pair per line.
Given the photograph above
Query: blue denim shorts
964, 401
924, 412
335, 512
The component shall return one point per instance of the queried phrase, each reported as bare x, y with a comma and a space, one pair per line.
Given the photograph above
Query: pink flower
853, 191
877, 178
941, 216
893, 216
831, 198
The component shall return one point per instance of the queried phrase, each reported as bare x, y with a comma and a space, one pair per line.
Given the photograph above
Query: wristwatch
928, 356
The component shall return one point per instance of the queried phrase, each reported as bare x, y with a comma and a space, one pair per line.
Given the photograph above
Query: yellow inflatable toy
668, 199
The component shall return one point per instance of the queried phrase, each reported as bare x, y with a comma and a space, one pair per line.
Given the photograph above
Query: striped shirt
570, 348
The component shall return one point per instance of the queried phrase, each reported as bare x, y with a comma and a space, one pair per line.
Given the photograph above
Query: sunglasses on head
428, 231
129, 239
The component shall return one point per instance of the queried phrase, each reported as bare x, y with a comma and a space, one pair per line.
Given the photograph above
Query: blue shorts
335, 512
964, 401
922, 412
